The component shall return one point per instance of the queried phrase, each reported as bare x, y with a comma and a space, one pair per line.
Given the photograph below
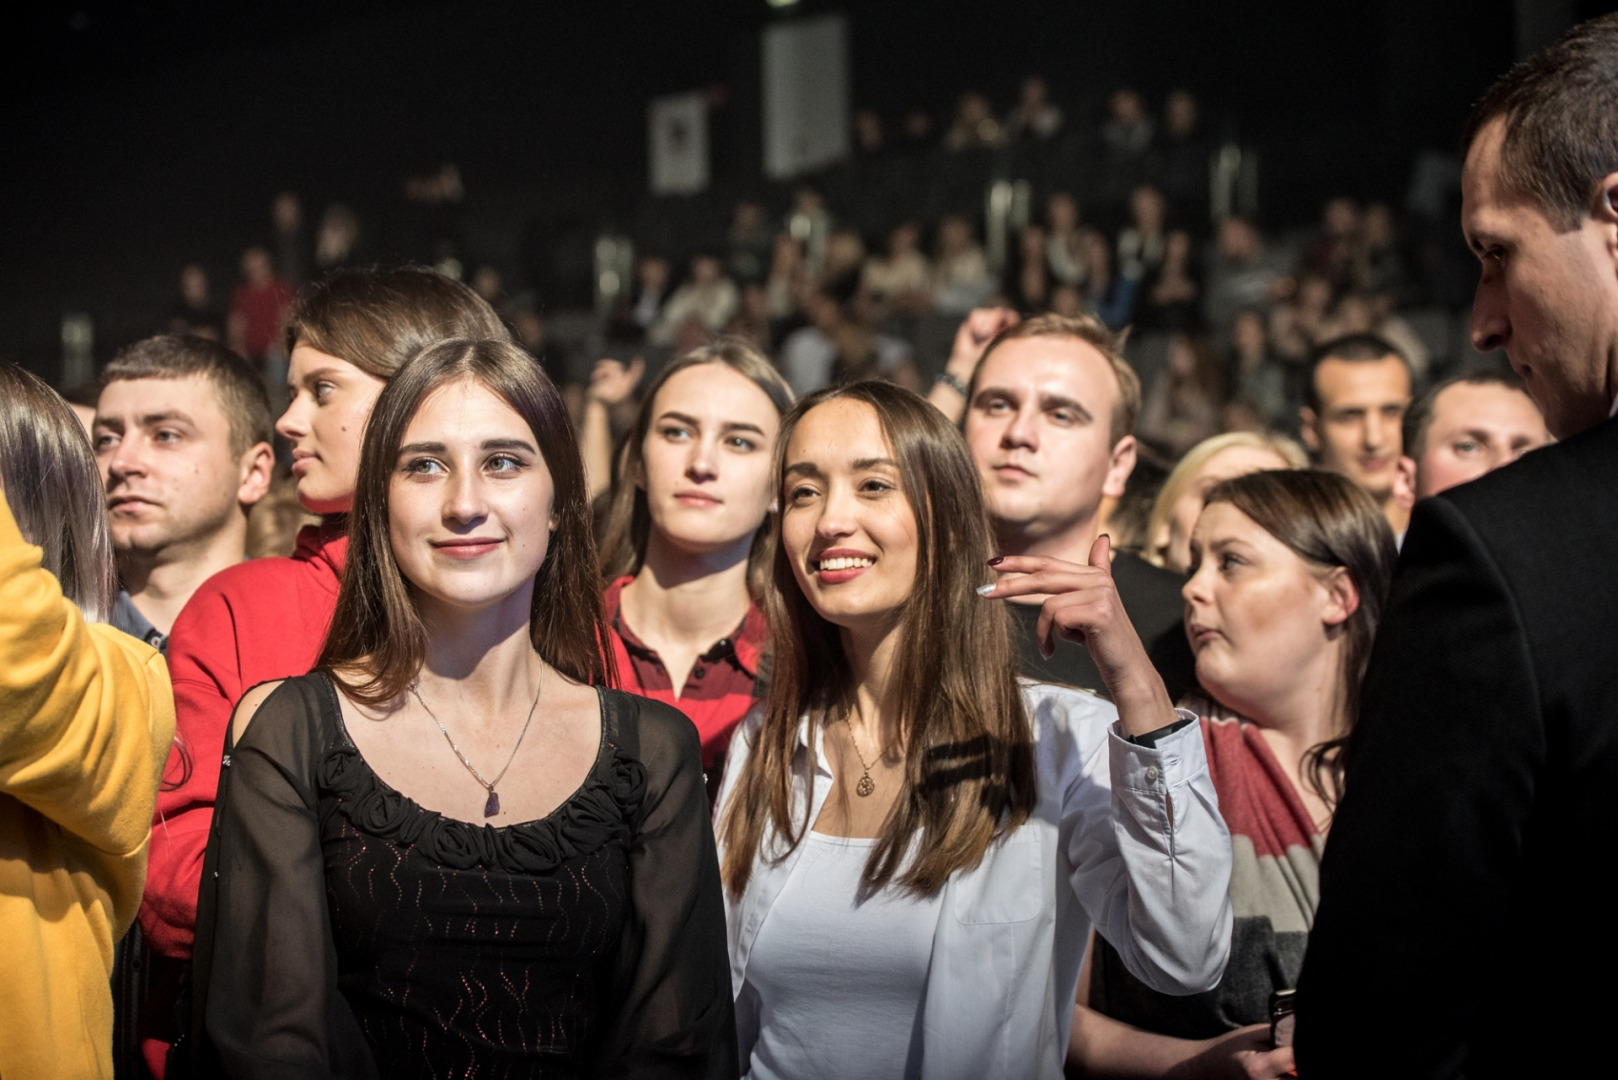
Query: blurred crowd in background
1139, 216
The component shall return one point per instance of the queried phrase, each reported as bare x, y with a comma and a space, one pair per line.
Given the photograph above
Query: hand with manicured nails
1081, 604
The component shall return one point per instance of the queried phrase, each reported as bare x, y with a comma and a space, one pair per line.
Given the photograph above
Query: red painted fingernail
997, 560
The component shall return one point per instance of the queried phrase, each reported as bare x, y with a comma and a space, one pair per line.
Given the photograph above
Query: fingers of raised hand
1029, 576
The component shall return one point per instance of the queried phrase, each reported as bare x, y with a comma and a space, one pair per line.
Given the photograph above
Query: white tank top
840, 976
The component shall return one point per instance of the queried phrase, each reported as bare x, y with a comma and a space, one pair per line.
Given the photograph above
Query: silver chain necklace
492, 806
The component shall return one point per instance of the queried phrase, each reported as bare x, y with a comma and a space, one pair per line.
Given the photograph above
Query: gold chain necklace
866, 785
492, 806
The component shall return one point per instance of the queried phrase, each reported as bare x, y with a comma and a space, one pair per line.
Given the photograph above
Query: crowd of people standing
988, 733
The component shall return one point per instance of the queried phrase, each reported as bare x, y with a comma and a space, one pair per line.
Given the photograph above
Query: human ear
256, 467
1306, 429
1342, 597
1405, 490
1604, 208
1119, 466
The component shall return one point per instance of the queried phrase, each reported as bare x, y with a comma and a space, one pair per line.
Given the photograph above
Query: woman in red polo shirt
683, 536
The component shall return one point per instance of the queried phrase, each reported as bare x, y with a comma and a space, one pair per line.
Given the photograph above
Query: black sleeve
674, 1015
1425, 853
270, 980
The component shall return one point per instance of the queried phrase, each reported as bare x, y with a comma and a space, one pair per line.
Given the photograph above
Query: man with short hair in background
182, 435
1355, 398
1464, 427
1049, 415
1465, 922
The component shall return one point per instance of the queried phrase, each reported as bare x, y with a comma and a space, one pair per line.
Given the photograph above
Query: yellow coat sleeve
86, 713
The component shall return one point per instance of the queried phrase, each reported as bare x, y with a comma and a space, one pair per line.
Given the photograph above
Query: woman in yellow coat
86, 717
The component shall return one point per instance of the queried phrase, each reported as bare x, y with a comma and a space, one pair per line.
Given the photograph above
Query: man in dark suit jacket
1464, 927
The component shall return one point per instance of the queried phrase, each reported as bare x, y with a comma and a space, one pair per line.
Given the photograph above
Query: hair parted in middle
969, 767
629, 522
377, 628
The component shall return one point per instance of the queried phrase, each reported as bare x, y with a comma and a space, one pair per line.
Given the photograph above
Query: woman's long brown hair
968, 743
377, 629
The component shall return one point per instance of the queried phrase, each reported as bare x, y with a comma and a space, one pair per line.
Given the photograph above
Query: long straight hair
1327, 521
629, 521
55, 490
377, 628
969, 767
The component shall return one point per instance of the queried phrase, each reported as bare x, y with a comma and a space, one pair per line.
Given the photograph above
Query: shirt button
1151, 772
699, 672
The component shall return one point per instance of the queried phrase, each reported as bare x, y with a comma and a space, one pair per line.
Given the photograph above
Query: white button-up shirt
1125, 838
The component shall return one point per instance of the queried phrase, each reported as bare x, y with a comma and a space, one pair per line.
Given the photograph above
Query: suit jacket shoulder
1477, 780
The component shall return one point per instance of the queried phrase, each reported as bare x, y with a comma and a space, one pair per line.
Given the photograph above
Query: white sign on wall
806, 98
677, 126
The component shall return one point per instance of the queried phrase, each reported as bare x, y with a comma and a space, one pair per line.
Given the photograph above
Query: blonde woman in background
1223, 457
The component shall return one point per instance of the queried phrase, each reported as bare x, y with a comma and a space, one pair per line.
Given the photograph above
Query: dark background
138, 136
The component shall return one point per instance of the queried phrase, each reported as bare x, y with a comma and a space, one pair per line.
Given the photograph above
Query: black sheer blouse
345, 931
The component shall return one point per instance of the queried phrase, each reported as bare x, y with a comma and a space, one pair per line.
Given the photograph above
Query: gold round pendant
865, 786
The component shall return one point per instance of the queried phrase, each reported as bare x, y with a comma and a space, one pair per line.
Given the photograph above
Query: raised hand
611, 381
1080, 603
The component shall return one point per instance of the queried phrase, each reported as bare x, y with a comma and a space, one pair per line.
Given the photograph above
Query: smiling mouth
845, 562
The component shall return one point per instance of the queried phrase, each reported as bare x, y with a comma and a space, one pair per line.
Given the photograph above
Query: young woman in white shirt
914, 844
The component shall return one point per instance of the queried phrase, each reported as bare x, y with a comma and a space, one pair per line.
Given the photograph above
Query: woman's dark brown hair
377, 628
968, 742
1327, 521
377, 319
629, 522
54, 490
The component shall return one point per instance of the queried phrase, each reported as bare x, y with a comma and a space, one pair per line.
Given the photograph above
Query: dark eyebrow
1058, 401
874, 462
112, 422
803, 468
488, 444
729, 425
166, 417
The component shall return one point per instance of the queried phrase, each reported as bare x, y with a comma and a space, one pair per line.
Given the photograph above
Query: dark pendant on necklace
492, 807
865, 786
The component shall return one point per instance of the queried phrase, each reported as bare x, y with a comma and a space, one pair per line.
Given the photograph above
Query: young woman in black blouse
448, 851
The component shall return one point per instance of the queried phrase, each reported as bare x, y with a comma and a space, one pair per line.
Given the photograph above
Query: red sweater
251, 623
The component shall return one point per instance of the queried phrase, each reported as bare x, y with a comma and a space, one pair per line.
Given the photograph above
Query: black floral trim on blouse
606, 806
